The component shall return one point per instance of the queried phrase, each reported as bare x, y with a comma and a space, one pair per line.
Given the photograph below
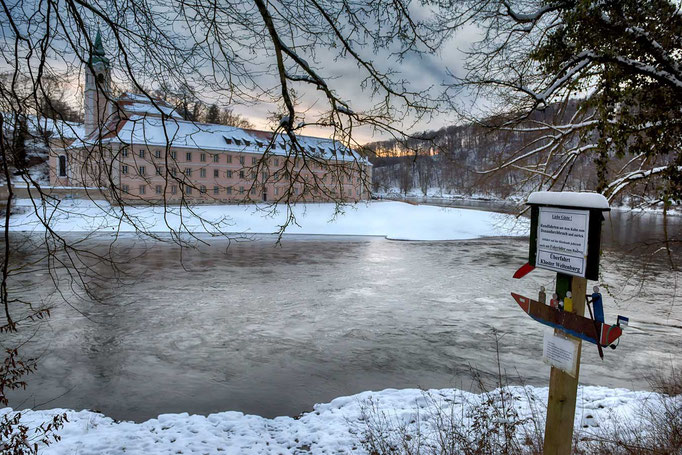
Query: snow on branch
580, 62
563, 129
300, 78
630, 178
567, 74
644, 68
345, 110
523, 18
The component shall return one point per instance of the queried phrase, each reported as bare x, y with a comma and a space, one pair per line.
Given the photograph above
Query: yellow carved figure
568, 302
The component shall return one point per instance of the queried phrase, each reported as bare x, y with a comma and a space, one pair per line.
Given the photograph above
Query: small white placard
560, 352
562, 240
573, 265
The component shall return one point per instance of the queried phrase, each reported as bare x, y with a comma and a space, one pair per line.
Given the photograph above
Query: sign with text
562, 240
561, 352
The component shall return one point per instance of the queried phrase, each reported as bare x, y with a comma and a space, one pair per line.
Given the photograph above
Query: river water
272, 329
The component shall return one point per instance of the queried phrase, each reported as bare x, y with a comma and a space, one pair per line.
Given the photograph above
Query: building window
276, 191
254, 160
276, 162
157, 154
241, 160
241, 190
253, 191
241, 174
188, 190
174, 155
124, 152
141, 153
62, 165
173, 172
229, 190
202, 172
143, 189
158, 170
188, 156
202, 157
229, 174
229, 158
216, 190
158, 189
216, 158
188, 171
141, 170
124, 169
216, 173
124, 188
174, 189
202, 189
264, 176
253, 176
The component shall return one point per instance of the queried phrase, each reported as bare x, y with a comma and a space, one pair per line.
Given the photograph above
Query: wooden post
563, 388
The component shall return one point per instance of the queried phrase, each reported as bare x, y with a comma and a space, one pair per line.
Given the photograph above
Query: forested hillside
455, 160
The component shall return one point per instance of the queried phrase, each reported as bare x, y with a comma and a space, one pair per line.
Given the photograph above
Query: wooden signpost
565, 238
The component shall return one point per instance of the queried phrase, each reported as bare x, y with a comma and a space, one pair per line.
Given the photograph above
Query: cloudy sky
423, 71
248, 45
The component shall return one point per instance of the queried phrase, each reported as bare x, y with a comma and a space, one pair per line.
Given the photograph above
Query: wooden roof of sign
569, 199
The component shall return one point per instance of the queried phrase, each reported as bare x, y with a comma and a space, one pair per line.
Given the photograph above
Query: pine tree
213, 114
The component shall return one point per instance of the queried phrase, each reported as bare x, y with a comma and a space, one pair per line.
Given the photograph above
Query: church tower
98, 103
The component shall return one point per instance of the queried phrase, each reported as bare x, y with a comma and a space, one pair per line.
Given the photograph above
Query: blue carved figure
598, 305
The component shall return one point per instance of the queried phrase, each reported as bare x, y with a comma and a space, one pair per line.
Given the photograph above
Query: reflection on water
272, 329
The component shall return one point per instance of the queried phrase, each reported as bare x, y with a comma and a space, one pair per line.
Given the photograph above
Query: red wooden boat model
578, 326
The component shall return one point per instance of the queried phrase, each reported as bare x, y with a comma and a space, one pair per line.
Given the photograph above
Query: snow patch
569, 199
331, 428
394, 220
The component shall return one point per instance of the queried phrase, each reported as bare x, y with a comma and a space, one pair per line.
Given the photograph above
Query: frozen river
271, 330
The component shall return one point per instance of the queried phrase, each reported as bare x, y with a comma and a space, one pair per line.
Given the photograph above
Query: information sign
562, 240
561, 352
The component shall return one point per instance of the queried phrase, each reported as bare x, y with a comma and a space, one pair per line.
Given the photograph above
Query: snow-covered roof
134, 97
569, 199
155, 131
56, 128
134, 104
60, 128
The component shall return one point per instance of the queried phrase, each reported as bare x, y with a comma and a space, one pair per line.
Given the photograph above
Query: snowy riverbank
335, 427
436, 194
394, 220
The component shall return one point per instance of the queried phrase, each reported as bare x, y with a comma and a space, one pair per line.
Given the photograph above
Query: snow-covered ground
331, 428
438, 193
394, 220
627, 204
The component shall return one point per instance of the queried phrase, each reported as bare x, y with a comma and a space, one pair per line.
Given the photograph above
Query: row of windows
202, 157
142, 170
158, 189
